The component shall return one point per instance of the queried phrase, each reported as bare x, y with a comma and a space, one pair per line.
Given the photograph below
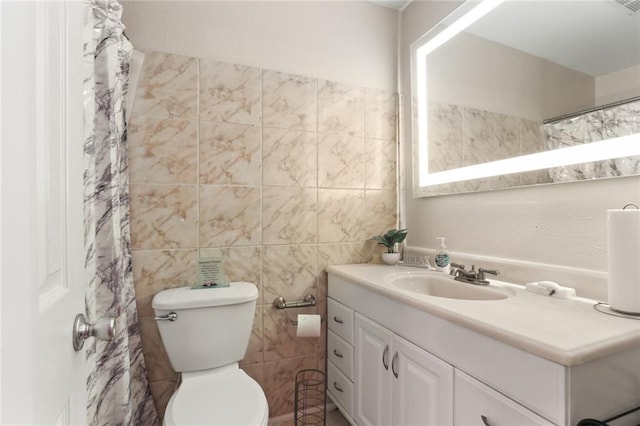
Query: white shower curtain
117, 385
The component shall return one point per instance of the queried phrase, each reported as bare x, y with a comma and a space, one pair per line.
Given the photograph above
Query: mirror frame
427, 184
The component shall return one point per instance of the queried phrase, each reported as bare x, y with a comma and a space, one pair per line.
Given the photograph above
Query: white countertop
566, 331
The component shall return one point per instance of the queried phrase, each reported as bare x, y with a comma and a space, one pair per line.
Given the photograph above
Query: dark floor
334, 418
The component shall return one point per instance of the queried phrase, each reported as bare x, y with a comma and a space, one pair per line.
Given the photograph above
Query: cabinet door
373, 373
422, 387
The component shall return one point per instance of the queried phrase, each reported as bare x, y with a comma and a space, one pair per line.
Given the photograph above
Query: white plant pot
390, 258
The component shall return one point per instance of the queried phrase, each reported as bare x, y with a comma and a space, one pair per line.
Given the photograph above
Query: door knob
103, 329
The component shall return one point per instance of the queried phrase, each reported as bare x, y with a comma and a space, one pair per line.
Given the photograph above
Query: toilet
205, 333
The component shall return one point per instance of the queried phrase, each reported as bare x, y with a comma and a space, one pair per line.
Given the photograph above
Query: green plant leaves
391, 238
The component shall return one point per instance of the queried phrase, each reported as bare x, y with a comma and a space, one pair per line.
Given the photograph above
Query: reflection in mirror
526, 92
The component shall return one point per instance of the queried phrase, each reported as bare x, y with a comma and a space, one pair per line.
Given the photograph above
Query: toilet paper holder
295, 322
280, 303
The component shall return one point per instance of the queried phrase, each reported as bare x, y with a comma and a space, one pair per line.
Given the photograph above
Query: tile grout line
263, 306
198, 157
317, 186
318, 345
364, 162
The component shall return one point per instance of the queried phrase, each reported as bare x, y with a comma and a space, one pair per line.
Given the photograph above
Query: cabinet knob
385, 354
338, 320
485, 420
336, 387
338, 354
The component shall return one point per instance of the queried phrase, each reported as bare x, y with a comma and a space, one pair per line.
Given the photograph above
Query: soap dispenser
442, 258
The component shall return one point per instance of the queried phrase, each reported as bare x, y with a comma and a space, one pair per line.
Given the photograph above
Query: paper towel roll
623, 228
308, 325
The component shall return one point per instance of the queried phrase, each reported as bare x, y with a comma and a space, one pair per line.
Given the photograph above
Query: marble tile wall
461, 136
286, 174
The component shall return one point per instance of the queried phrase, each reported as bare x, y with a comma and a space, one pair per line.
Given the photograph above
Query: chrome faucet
471, 277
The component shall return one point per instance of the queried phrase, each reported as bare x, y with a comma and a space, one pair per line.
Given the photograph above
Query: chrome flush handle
171, 316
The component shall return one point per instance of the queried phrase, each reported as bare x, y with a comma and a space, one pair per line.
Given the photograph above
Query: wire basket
310, 402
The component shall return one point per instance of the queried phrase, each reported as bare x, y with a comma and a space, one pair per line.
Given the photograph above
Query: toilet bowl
205, 333
228, 397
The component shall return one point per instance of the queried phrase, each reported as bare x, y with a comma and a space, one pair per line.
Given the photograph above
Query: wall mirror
512, 93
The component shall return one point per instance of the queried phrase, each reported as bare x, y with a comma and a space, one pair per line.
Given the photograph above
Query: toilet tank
212, 326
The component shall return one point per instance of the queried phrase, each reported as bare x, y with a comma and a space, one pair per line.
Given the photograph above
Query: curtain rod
586, 111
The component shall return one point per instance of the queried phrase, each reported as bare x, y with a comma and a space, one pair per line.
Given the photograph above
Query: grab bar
280, 303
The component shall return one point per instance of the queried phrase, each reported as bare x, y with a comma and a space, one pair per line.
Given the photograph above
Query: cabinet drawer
475, 404
340, 354
340, 320
340, 387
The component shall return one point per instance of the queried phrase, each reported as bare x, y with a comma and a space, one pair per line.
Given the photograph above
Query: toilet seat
228, 397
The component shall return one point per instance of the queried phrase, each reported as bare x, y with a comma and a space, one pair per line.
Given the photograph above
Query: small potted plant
389, 240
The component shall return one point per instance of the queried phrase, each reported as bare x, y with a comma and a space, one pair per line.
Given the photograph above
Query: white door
373, 349
43, 379
422, 387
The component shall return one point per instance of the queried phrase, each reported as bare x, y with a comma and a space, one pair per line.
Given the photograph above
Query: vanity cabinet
454, 371
377, 378
396, 382
366, 351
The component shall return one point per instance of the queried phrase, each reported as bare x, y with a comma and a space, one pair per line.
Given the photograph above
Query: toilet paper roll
308, 325
623, 228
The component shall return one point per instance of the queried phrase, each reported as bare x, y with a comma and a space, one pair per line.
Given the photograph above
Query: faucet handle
457, 265
482, 271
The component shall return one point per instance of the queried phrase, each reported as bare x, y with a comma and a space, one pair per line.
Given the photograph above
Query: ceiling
392, 4
595, 37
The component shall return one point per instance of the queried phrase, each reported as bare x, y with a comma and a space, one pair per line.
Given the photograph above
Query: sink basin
446, 287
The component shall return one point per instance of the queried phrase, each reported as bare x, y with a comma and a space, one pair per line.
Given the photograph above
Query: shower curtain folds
117, 386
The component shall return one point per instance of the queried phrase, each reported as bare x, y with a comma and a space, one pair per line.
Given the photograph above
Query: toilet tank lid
187, 297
